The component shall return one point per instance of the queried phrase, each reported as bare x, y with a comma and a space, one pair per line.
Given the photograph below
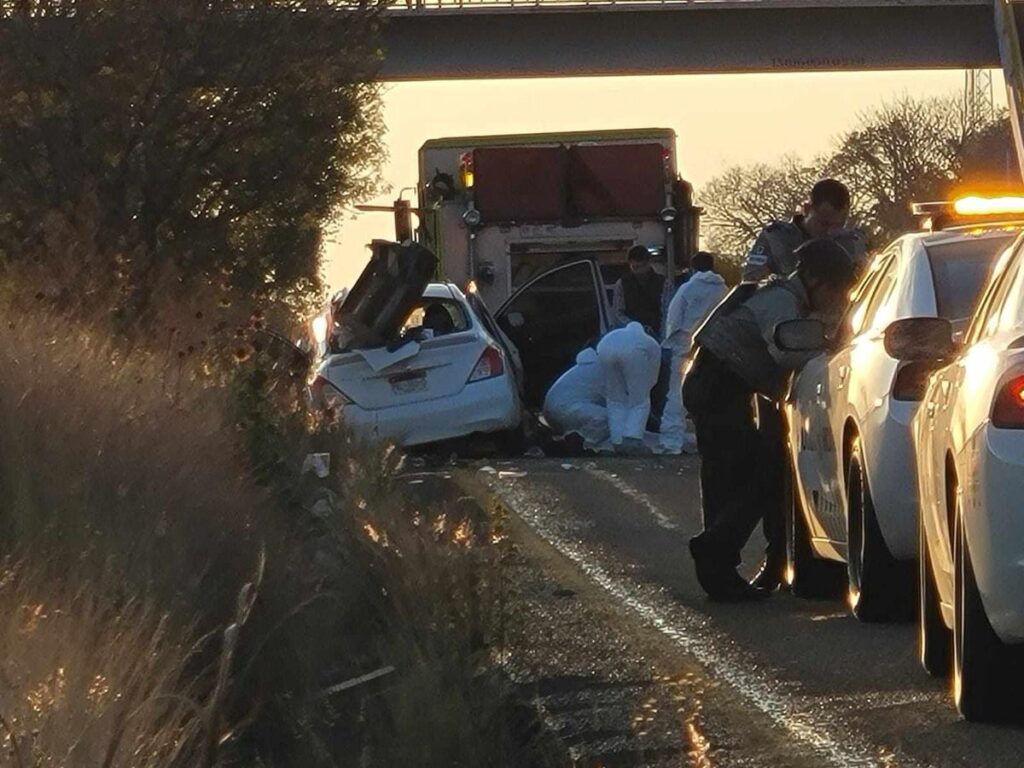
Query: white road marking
634, 494
691, 631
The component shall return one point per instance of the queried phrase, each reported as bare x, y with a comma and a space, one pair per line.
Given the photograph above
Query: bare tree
905, 151
745, 198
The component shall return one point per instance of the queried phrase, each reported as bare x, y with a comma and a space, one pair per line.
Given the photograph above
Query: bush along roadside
181, 593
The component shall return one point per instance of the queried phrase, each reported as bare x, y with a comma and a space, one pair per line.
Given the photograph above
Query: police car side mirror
800, 336
920, 338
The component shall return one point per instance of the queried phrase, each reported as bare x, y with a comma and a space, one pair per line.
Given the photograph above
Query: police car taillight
490, 365
1008, 409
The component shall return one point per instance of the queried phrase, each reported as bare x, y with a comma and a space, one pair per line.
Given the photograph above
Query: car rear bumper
993, 513
491, 405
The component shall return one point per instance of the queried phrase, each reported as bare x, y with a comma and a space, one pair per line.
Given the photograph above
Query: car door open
550, 319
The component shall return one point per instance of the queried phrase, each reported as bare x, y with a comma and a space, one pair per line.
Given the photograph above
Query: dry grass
86, 680
166, 552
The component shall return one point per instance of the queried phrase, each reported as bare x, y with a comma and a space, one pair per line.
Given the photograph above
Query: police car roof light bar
964, 211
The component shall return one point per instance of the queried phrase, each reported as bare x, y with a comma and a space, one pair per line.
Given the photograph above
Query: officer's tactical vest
732, 333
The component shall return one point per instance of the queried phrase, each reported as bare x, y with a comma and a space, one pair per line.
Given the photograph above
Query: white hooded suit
629, 361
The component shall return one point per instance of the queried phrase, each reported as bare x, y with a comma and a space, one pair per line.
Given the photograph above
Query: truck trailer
501, 210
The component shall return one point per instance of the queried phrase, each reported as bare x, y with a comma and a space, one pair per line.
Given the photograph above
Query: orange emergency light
466, 169
971, 209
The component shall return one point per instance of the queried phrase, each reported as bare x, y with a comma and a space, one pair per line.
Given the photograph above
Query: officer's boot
772, 573
719, 578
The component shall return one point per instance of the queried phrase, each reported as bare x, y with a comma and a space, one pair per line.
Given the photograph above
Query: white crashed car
970, 448
849, 414
419, 362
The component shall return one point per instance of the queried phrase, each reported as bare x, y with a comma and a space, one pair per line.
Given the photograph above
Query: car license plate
408, 383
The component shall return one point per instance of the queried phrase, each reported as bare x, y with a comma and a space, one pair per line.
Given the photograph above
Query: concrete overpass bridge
449, 39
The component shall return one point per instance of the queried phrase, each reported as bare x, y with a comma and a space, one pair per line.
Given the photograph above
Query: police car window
862, 294
1012, 312
883, 298
992, 316
988, 307
959, 272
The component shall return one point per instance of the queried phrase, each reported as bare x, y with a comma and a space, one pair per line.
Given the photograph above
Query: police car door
864, 335
812, 436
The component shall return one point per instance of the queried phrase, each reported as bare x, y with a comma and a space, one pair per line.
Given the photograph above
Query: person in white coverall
689, 308
576, 401
629, 360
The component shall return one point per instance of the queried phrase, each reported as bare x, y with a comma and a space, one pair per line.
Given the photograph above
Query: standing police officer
737, 358
774, 253
823, 216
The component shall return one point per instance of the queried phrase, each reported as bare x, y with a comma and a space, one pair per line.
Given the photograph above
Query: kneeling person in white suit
576, 401
629, 360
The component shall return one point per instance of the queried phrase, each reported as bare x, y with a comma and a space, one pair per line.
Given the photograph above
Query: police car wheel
879, 587
935, 640
983, 677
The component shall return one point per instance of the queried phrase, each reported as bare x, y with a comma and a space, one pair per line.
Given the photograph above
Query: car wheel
807, 576
934, 638
879, 586
980, 660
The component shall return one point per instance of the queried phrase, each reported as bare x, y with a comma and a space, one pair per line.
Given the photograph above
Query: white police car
849, 414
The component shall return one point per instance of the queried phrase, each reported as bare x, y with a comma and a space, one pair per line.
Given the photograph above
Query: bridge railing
404, 6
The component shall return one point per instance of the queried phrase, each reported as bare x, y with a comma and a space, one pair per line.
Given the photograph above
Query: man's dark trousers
732, 455
770, 426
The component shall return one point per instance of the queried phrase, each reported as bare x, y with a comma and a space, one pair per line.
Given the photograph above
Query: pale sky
720, 120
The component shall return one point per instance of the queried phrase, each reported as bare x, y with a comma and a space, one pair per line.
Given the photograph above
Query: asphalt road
839, 692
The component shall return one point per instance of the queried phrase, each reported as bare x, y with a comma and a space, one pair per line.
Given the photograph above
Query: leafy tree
208, 138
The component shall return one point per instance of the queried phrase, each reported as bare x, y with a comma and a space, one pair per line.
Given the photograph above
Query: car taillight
912, 380
1008, 409
491, 364
327, 396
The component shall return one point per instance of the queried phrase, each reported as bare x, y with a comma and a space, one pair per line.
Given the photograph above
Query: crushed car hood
385, 293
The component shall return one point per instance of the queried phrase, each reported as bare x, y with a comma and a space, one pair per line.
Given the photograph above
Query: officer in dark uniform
774, 253
736, 359
638, 293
